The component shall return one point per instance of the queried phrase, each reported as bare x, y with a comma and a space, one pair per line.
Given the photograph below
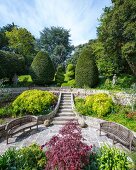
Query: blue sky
79, 16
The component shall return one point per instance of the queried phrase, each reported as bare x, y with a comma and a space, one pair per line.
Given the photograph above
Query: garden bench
20, 124
118, 132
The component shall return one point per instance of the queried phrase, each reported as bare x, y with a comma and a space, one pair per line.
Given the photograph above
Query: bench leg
100, 133
7, 139
130, 147
37, 126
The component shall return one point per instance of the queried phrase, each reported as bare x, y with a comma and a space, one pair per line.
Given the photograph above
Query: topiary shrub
72, 83
34, 102
86, 73
59, 76
42, 69
70, 72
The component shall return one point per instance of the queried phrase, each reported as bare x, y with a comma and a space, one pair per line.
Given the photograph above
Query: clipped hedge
34, 102
42, 70
86, 73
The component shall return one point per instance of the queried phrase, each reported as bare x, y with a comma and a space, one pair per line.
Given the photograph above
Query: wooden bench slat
118, 132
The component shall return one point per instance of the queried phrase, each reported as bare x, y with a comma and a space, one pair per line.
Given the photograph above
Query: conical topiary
86, 73
42, 69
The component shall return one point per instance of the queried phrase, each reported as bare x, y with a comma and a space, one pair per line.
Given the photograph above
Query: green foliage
123, 82
21, 40
25, 80
42, 70
11, 63
86, 73
73, 59
56, 41
33, 102
5, 111
112, 158
70, 72
102, 104
72, 83
117, 34
4, 45
27, 158
59, 76
120, 114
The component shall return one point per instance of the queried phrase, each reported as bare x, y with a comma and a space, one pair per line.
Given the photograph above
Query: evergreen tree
86, 73
42, 69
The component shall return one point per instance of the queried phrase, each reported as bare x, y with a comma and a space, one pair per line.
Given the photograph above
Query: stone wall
119, 97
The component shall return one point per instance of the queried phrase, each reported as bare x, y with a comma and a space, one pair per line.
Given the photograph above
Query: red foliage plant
66, 151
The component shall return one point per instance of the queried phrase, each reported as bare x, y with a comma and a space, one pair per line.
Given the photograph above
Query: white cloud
80, 16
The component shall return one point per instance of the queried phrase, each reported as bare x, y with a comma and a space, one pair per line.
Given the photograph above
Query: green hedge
34, 102
86, 72
42, 69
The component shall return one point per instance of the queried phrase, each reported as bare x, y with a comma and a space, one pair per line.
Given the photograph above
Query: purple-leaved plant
66, 151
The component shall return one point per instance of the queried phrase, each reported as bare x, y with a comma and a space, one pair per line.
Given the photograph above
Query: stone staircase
65, 112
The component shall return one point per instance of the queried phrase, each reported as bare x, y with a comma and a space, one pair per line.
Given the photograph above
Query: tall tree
3, 39
21, 41
118, 34
56, 41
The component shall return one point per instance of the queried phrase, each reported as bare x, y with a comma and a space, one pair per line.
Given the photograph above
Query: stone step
65, 104
65, 98
64, 118
65, 110
65, 114
56, 122
65, 107
68, 95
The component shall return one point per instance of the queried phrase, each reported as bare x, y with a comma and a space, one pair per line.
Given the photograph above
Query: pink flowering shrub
66, 151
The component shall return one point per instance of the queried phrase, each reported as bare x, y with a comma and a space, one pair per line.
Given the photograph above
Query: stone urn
47, 122
81, 122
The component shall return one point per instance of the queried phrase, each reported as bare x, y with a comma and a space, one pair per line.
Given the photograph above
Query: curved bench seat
20, 124
118, 132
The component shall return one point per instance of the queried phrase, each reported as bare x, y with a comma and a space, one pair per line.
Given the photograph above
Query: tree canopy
56, 41
21, 41
117, 34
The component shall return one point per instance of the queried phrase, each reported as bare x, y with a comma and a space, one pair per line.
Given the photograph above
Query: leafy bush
11, 63
42, 69
86, 73
34, 102
27, 158
102, 104
66, 150
112, 158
